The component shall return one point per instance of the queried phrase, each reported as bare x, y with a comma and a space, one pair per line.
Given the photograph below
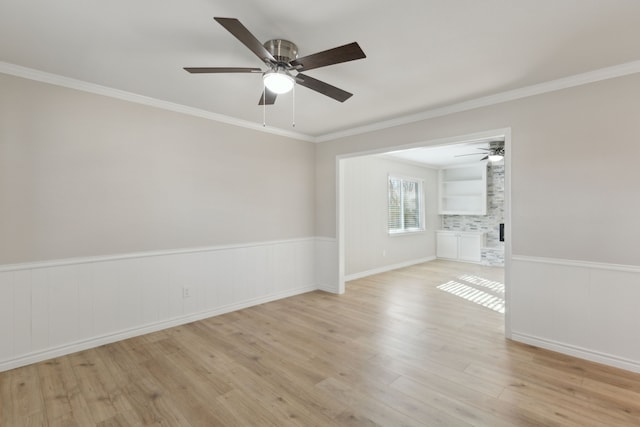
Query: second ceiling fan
284, 68
494, 153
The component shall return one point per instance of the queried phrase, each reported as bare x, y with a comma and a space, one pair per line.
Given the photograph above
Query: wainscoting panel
327, 264
6, 316
59, 307
588, 310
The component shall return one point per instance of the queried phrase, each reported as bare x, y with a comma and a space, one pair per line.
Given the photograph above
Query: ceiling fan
494, 153
284, 68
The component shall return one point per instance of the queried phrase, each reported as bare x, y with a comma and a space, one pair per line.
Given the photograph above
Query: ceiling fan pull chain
264, 105
293, 119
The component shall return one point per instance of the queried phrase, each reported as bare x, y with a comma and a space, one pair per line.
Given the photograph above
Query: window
405, 205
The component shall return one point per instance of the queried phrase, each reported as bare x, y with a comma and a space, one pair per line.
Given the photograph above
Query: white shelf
463, 189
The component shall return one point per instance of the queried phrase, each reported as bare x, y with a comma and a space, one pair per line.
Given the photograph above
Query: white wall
86, 175
369, 248
108, 209
574, 198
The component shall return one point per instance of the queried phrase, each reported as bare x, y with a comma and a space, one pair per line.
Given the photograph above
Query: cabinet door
446, 245
470, 248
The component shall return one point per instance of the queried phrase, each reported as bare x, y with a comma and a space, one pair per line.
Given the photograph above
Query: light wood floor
394, 350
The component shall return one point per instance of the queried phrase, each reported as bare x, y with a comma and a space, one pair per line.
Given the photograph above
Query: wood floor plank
362, 406
471, 407
150, 405
395, 349
188, 394
21, 393
35, 419
374, 379
101, 394
63, 398
426, 372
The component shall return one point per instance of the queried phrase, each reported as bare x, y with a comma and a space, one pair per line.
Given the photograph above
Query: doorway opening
381, 252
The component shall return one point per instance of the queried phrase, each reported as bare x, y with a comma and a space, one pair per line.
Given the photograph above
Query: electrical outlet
186, 292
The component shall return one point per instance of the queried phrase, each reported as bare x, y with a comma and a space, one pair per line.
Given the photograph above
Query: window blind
405, 205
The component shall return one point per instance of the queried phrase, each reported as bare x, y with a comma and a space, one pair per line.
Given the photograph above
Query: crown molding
511, 95
58, 80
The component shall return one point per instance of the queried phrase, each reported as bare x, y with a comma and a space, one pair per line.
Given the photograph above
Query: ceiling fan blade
270, 97
484, 158
323, 88
241, 33
196, 70
472, 154
348, 52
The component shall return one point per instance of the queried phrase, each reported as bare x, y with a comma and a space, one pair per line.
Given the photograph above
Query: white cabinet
470, 247
460, 245
446, 245
463, 189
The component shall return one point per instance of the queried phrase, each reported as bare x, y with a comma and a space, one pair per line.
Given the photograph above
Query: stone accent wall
489, 223
493, 256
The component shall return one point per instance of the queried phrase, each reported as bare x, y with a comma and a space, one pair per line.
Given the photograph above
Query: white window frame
421, 215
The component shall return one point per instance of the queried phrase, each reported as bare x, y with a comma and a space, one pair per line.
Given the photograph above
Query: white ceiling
421, 54
445, 155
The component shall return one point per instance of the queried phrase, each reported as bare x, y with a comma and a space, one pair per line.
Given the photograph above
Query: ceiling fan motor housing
283, 51
497, 147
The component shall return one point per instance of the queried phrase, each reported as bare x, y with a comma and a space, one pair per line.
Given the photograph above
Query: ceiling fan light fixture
278, 81
496, 154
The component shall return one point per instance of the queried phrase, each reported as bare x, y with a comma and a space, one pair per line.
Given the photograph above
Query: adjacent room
319, 213
406, 207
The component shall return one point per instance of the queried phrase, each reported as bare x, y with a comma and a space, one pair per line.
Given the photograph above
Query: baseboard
386, 268
582, 353
62, 350
332, 289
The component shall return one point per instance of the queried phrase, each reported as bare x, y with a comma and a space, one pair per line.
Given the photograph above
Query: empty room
328, 213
